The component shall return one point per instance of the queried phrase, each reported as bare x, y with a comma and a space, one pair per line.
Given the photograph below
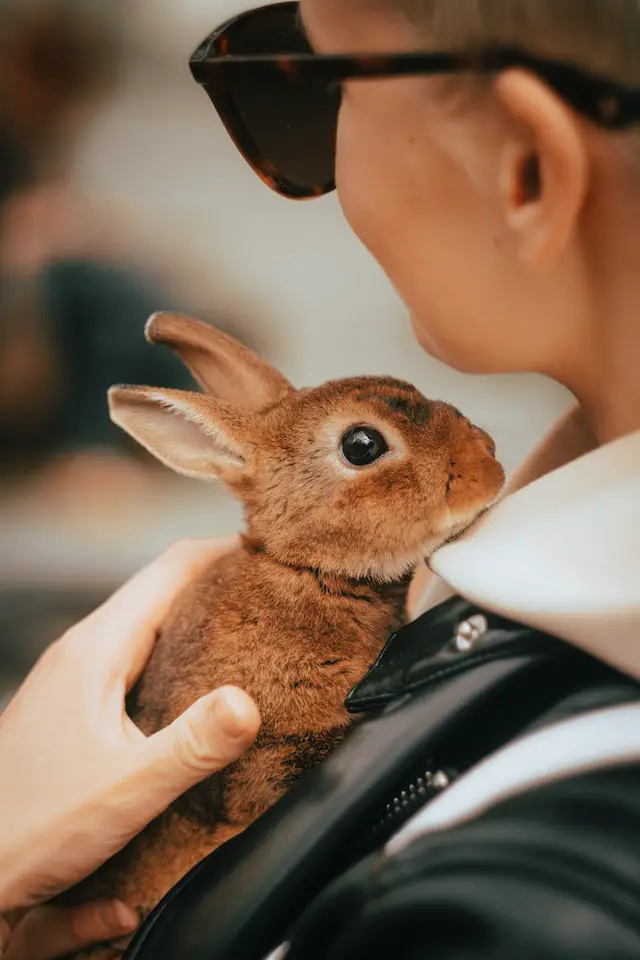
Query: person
486, 154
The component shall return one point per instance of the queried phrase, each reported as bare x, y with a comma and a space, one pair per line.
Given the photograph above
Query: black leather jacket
554, 872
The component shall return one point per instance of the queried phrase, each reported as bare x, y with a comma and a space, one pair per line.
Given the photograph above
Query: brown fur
297, 614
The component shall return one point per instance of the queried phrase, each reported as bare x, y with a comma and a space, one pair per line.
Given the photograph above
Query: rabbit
346, 489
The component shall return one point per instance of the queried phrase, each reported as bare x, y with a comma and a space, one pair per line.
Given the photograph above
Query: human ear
544, 169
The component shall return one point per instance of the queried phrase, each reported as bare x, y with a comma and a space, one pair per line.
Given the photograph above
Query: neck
605, 377
337, 583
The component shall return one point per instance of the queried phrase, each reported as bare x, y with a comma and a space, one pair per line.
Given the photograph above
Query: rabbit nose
483, 436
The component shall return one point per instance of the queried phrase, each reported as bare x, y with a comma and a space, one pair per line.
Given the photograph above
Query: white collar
562, 554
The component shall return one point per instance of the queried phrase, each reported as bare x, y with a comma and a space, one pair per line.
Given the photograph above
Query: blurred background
120, 194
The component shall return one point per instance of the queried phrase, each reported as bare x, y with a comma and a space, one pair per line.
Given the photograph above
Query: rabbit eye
362, 446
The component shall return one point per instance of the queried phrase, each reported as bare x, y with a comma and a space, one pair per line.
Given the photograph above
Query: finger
5, 933
208, 736
48, 932
128, 620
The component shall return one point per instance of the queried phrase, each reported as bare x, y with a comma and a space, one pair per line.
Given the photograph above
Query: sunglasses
280, 101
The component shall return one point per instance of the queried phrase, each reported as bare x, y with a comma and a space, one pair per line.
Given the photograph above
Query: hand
78, 778
47, 933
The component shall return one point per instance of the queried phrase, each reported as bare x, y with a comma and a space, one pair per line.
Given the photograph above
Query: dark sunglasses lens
289, 123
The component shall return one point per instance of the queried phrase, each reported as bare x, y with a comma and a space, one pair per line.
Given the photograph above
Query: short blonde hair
602, 36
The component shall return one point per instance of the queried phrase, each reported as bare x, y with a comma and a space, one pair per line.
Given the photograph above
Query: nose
484, 437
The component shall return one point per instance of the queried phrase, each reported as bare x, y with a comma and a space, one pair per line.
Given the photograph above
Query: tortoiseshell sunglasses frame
604, 102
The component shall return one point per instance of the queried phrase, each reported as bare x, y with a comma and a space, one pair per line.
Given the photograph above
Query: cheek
438, 236
376, 147
362, 159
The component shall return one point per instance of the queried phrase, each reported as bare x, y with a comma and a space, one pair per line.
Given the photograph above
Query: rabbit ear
222, 366
191, 433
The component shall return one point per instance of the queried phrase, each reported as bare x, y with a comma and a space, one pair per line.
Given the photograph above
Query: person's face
446, 201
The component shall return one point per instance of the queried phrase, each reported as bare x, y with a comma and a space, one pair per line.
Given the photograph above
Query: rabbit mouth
456, 526
460, 525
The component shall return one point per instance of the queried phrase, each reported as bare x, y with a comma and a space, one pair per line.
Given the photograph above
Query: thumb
207, 737
48, 932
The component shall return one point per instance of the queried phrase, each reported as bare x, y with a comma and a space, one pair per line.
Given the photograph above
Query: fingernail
123, 917
231, 714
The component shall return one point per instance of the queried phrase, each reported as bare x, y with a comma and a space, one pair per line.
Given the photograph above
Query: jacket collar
561, 551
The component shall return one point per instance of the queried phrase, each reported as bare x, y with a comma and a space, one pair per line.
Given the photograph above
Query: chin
424, 339
451, 358
457, 359
433, 348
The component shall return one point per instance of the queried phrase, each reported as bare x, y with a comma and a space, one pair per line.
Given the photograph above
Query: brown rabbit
346, 489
